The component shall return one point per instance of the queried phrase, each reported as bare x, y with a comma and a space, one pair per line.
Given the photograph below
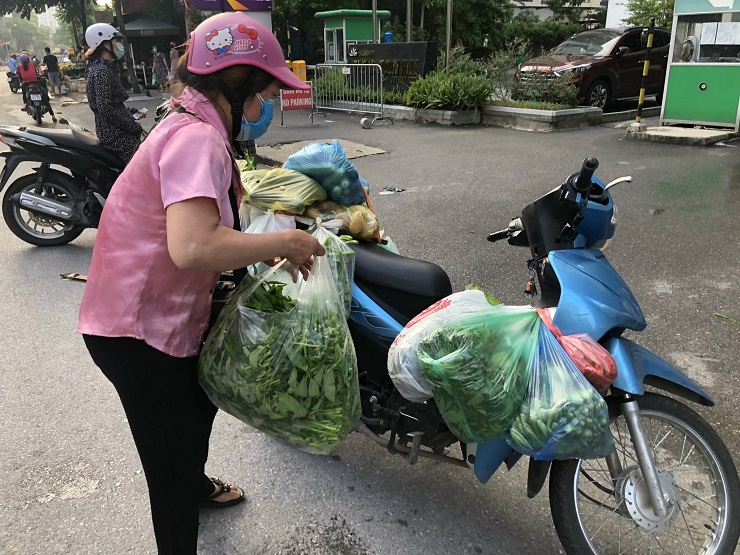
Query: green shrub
462, 62
541, 86
444, 90
543, 36
331, 84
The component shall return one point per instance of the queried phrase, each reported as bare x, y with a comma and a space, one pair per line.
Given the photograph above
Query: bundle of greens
478, 368
285, 364
562, 417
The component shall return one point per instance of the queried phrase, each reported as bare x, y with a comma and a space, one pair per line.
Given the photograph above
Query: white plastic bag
403, 364
266, 221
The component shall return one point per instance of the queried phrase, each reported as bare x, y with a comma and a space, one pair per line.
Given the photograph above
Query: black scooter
14, 82
49, 207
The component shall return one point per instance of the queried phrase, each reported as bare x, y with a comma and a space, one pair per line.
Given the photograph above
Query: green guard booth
703, 81
343, 26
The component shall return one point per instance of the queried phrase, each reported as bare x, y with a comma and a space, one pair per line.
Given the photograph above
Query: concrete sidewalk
671, 134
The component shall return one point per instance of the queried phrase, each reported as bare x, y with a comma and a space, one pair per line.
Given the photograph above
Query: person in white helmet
115, 125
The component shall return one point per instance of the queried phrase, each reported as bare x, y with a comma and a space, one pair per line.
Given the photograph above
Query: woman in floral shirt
115, 125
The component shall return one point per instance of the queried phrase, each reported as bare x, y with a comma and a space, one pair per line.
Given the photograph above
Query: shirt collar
197, 103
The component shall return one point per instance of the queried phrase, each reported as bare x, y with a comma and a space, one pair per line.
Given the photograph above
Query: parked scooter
48, 207
670, 485
14, 82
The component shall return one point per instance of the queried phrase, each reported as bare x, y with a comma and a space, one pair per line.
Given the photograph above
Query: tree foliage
25, 34
642, 11
541, 35
78, 10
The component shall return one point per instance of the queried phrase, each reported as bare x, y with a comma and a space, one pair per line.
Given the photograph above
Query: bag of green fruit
563, 416
478, 369
341, 259
280, 358
280, 189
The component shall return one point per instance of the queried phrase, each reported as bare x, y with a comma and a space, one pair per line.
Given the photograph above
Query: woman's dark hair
236, 78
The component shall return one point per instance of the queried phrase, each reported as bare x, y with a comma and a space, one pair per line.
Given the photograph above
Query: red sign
293, 99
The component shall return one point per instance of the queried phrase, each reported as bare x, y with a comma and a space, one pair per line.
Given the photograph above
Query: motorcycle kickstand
630, 411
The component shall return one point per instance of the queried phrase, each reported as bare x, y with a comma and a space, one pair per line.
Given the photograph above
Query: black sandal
210, 501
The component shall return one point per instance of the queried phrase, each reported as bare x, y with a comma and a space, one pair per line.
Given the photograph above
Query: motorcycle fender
637, 366
488, 456
11, 163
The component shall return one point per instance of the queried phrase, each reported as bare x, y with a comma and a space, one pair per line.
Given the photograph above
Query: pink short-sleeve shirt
134, 288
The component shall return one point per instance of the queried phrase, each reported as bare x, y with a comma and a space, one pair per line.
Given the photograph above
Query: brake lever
618, 181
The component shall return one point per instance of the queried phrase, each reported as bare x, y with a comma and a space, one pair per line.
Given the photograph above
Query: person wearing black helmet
115, 126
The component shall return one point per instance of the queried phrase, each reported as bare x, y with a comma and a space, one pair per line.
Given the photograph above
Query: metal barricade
349, 88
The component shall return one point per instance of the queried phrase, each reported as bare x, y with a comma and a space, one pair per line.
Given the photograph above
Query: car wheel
598, 94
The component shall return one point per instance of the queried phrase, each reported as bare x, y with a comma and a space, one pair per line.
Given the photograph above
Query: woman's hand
300, 249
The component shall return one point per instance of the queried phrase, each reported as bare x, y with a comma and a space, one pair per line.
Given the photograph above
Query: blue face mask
251, 131
119, 51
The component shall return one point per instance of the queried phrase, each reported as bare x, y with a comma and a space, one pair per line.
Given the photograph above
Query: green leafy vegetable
478, 368
285, 364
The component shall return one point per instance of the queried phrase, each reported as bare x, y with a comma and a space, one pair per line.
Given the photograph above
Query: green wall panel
718, 103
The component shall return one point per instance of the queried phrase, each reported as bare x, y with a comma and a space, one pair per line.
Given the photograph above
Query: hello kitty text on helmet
233, 38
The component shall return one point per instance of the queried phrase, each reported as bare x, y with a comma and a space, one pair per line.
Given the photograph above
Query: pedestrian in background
52, 71
115, 125
159, 68
174, 60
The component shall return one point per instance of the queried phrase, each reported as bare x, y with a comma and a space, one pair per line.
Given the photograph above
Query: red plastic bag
593, 360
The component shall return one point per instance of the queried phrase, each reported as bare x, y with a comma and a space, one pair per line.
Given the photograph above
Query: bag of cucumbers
563, 416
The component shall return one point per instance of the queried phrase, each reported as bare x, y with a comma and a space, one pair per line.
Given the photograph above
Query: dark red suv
606, 64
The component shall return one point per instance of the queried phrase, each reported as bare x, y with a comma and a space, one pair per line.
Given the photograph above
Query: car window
634, 41
592, 43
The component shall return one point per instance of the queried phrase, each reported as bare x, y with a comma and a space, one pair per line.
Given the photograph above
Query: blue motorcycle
670, 485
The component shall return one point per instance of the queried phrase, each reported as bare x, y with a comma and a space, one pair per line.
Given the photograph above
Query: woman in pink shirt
165, 236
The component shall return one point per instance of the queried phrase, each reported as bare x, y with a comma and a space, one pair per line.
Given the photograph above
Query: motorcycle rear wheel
33, 228
14, 88
594, 514
37, 115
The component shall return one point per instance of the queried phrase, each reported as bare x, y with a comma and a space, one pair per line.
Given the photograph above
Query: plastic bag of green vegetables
280, 358
478, 368
280, 189
341, 258
563, 416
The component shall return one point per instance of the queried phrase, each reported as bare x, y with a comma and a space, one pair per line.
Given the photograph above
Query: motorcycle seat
377, 266
80, 141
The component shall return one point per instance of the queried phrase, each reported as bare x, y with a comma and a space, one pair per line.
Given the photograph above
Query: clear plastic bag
478, 368
329, 166
403, 363
341, 258
267, 221
280, 358
563, 416
358, 220
593, 360
280, 189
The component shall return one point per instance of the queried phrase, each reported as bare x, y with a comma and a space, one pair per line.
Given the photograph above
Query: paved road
69, 473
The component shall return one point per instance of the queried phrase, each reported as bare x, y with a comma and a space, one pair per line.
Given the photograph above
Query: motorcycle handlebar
583, 183
498, 235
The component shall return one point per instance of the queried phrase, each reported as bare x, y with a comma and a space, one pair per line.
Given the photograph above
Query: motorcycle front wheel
33, 228
594, 513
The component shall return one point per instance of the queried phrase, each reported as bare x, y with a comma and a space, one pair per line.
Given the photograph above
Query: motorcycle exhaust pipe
44, 206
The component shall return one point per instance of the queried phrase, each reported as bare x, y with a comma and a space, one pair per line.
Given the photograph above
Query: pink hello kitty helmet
233, 38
